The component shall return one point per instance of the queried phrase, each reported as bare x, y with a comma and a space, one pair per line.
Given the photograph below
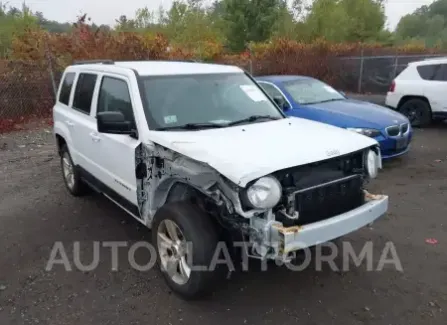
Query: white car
200, 154
419, 91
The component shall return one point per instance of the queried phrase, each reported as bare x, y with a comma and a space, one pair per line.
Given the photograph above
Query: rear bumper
392, 100
295, 238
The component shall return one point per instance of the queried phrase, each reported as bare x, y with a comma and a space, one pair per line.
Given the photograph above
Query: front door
115, 153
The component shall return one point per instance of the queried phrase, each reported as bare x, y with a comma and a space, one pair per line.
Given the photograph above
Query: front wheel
185, 239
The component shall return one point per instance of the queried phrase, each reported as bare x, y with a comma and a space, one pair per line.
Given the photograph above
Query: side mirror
281, 102
343, 93
114, 123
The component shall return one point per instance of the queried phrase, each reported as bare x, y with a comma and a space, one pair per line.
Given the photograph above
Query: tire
418, 111
197, 228
76, 186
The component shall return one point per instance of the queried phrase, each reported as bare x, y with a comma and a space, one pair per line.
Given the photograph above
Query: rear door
80, 120
435, 85
61, 111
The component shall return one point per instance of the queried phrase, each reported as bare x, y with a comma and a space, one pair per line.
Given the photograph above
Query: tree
346, 20
327, 19
366, 19
191, 24
250, 21
427, 24
13, 21
289, 22
124, 24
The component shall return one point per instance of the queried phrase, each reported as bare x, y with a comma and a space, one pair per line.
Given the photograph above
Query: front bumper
295, 238
388, 147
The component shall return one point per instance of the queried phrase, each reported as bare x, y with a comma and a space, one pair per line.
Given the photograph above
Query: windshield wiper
253, 118
192, 126
324, 101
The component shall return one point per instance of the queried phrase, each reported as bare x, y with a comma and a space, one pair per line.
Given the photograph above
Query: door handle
95, 136
69, 123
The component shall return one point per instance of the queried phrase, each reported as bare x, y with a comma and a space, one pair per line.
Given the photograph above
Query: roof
159, 68
282, 78
433, 60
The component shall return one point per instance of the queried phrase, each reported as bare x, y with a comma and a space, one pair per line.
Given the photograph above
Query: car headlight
368, 132
265, 193
372, 163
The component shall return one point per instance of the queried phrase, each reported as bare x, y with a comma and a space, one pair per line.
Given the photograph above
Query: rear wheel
175, 227
71, 176
418, 111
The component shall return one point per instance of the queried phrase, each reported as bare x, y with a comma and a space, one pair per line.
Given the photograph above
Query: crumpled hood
244, 153
355, 113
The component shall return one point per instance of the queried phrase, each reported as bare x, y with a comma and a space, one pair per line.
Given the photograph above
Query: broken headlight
265, 193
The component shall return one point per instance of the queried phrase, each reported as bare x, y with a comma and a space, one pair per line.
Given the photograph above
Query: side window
428, 72
114, 95
85, 87
67, 84
271, 90
441, 73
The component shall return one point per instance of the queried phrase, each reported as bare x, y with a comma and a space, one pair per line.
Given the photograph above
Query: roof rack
93, 62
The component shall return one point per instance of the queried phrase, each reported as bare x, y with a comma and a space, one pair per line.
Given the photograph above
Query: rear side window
67, 84
85, 87
441, 73
428, 72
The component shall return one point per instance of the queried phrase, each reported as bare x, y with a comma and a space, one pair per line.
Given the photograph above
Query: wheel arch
175, 190
60, 142
406, 98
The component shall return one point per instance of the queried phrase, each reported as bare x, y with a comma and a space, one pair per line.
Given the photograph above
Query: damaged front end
317, 202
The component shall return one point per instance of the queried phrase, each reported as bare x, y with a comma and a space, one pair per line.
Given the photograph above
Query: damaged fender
158, 170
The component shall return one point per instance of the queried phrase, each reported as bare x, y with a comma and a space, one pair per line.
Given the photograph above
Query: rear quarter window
428, 72
66, 86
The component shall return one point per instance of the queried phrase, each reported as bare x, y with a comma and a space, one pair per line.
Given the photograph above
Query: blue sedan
313, 99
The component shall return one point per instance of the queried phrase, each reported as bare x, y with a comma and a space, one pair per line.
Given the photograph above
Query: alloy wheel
173, 251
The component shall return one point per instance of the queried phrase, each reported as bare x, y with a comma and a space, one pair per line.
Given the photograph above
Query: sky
105, 11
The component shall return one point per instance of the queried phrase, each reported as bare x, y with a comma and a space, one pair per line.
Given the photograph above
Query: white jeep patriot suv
201, 155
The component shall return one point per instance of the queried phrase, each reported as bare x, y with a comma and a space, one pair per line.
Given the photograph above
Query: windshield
210, 99
311, 91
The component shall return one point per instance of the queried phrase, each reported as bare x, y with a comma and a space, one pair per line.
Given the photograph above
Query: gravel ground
36, 211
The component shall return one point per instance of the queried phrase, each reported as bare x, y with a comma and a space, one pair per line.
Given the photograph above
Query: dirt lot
36, 211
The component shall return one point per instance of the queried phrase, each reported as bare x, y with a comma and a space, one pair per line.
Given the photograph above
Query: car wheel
71, 176
417, 111
185, 239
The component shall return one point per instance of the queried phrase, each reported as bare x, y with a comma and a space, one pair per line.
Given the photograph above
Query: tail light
392, 86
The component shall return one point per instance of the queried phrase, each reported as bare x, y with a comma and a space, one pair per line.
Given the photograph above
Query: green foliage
187, 23
51, 25
13, 21
346, 20
202, 27
427, 25
250, 21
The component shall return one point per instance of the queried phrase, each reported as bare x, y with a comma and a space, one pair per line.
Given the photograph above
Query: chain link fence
371, 74
27, 89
